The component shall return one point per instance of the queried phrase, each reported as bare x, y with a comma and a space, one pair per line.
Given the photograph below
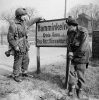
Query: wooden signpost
50, 33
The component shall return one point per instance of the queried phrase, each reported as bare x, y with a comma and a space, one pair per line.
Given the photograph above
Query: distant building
96, 24
85, 21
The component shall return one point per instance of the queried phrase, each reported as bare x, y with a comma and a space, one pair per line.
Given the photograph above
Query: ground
49, 84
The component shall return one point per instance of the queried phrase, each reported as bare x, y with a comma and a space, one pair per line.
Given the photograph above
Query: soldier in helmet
79, 49
17, 39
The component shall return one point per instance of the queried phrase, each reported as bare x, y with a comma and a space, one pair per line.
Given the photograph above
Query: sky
49, 9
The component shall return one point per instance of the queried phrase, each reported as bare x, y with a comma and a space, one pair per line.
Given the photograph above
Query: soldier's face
25, 18
71, 28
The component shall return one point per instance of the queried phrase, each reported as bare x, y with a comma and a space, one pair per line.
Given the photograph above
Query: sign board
51, 33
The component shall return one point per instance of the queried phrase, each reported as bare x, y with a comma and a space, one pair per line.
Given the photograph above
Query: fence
3, 39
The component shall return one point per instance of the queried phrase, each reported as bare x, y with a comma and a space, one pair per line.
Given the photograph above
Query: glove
17, 48
70, 54
7, 53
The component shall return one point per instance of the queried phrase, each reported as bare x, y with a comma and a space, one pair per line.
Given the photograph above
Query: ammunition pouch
23, 44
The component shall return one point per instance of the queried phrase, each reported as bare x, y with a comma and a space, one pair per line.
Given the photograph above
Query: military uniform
17, 38
78, 43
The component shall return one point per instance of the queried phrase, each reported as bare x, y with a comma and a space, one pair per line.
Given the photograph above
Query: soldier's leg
25, 63
72, 80
16, 67
81, 68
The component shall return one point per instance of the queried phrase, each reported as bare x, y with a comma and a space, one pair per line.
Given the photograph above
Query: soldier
79, 49
17, 39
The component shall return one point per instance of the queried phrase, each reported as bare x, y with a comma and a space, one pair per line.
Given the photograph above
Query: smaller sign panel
51, 33
95, 44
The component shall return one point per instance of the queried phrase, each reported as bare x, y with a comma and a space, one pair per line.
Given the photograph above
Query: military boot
71, 91
25, 74
17, 79
79, 93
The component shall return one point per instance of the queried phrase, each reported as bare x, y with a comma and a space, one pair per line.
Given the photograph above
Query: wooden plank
38, 60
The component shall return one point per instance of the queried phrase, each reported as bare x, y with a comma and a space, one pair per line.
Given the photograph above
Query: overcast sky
49, 9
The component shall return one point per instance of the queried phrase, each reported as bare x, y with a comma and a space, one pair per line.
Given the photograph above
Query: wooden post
68, 62
1, 39
38, 60
68, 65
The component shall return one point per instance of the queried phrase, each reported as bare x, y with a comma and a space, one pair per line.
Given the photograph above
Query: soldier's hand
70, 55
41, 18
17, 48
77, 44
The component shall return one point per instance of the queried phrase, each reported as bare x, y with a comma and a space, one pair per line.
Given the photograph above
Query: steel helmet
71, 21
20, 12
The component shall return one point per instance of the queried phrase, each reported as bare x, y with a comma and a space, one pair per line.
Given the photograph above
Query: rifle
68, 65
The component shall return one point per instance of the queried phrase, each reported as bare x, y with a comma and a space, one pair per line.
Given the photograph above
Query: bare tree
31, 12
91, 10
83, 9
8, 16
75, 11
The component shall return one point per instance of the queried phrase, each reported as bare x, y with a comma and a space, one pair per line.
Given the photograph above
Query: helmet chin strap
18, 18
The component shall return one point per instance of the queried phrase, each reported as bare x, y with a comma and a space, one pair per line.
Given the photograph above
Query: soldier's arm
11, 36
84, 35
33, 21
69, 50
68, 42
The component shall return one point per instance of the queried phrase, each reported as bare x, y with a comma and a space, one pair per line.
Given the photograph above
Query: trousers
21, 63
77, 75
